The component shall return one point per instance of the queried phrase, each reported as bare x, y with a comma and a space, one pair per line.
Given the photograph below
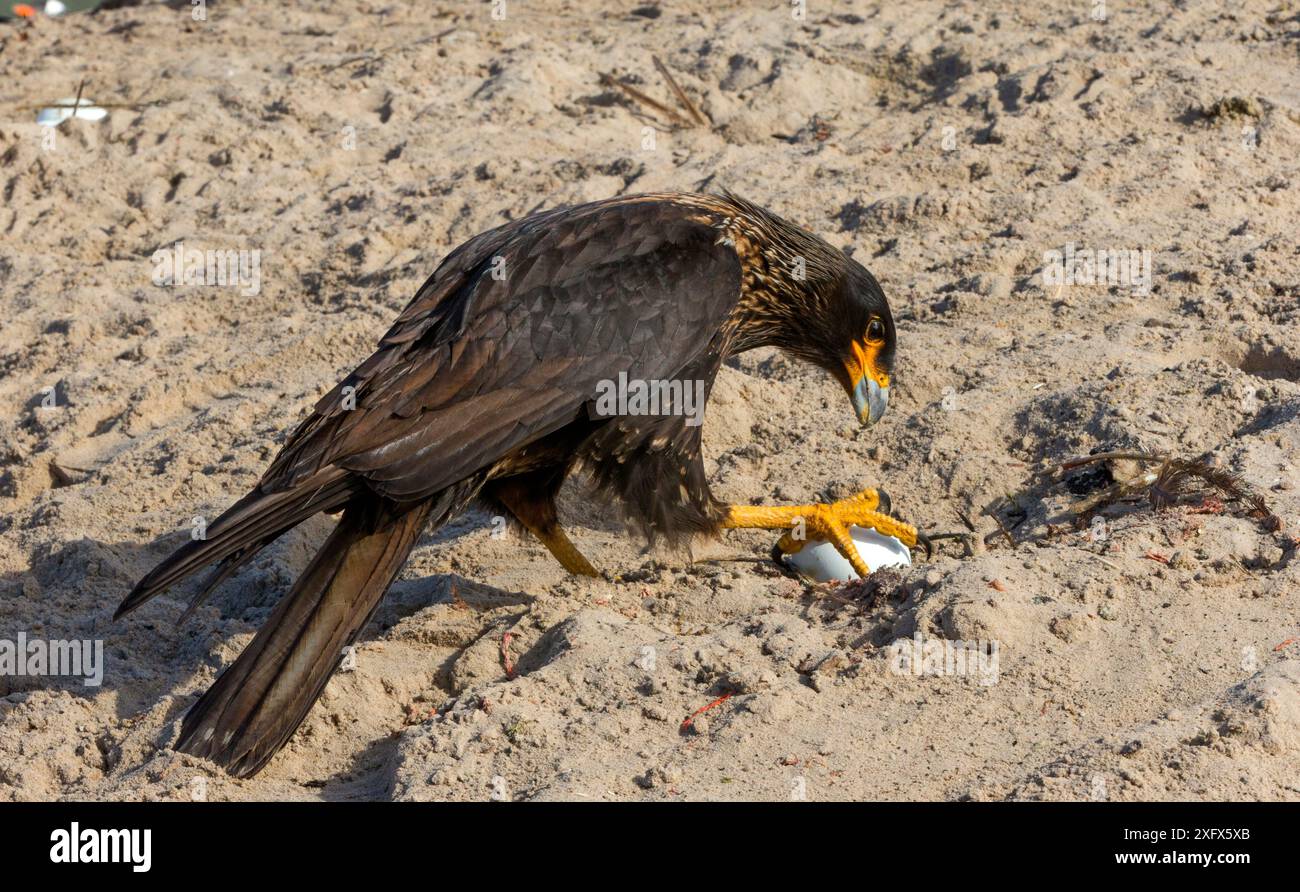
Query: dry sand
948, 145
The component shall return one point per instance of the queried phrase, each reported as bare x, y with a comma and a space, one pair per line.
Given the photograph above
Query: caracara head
851, 335
826, 309
866, 349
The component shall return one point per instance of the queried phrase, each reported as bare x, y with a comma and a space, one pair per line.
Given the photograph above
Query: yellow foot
828, 522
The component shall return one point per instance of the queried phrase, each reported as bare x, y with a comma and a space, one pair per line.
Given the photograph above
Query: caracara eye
875, 331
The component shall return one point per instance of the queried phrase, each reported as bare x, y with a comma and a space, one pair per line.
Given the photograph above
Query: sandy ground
949, 146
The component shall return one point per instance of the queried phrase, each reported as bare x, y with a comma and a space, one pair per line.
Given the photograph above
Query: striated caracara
485, 389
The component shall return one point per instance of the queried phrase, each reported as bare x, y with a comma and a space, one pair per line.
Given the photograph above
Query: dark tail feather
258, 702
222, 572
245, 528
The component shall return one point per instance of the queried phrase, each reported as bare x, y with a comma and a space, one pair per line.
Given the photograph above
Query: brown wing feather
477, 366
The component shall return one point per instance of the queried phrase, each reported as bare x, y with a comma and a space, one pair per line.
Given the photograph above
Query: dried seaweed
1174, 481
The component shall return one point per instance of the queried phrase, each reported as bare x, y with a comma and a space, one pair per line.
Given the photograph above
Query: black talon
778, 557
886, 503
925, 541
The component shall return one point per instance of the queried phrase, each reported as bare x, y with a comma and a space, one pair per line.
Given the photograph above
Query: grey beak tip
870, 400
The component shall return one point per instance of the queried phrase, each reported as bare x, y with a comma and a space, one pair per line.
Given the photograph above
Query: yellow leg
562, 547
537, 514
829, 522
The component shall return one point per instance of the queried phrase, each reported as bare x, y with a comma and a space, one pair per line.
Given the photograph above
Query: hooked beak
870, 389
869, 400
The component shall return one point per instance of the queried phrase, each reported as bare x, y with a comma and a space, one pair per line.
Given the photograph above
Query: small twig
89, 104
609, 81
505, 655
1105, 497
1002, 527
680, 93
690, 719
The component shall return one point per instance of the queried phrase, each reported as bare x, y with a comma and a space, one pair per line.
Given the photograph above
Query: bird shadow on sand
70, 591
371, 773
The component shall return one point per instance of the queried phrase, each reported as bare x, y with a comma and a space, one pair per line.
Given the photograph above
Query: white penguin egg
819, 561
